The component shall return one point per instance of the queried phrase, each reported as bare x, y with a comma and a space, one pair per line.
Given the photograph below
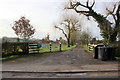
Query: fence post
26, 50
38, 47
60, 47
50, 47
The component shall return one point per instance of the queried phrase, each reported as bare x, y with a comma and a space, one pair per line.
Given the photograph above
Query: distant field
55, 47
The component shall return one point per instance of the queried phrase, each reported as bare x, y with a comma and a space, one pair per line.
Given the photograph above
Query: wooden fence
34, 48
50, 47
15, 48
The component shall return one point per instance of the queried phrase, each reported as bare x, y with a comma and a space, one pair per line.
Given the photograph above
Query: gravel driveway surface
75, 60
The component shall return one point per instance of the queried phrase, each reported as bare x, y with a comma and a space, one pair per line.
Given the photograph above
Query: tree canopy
23, 28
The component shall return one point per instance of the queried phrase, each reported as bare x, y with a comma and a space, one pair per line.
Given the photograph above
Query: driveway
75, 60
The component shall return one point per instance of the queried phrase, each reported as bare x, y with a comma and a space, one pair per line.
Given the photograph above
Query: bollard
50, 47
60, 47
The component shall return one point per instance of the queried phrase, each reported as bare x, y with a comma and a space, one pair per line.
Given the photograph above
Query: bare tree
68, 26
108, 32
23, 28
116, 17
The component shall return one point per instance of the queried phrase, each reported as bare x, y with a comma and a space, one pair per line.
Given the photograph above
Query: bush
117, 45
12, 48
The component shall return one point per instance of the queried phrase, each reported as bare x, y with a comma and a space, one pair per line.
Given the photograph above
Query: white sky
42, 14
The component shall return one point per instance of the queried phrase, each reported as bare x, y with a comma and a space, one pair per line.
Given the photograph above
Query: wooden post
50, 47
60, 47
38, 47
27, 48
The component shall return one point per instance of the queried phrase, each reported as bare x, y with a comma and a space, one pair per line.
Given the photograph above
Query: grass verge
9, 57
85, 47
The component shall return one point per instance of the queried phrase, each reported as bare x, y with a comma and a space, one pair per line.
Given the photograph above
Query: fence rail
50, 47
33, 48
91, 47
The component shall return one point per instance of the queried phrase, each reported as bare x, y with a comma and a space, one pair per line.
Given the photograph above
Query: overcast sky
42, 14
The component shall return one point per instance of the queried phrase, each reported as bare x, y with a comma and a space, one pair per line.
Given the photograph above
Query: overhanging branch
61, 30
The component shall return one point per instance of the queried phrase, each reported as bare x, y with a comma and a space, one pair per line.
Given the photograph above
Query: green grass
64, 47
85, 47
117, 57
8, 57
56, 48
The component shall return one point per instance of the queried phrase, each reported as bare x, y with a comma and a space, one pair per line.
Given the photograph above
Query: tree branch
74, 6
78, 3
62, 31
67, 24
83, 12
87, 2
93, 4
112, 13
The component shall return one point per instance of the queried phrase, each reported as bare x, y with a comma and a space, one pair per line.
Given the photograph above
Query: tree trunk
68, 41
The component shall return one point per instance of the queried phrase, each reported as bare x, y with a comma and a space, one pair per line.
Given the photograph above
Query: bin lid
101, 44
112, 47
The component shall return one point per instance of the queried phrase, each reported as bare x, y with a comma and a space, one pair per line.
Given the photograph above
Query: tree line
71, 26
